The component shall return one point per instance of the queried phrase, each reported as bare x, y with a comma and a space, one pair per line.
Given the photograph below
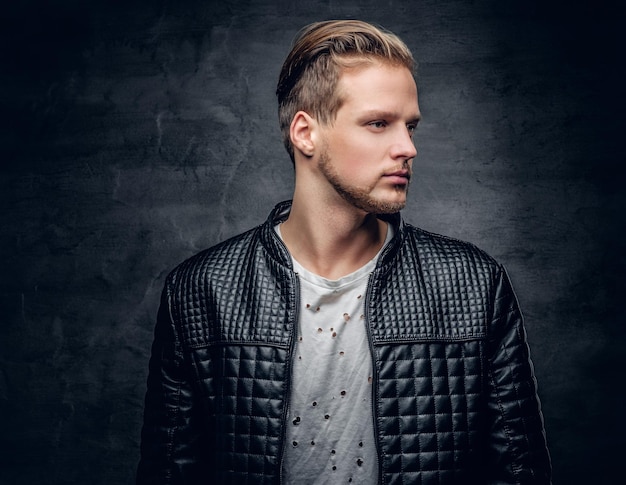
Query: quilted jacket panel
430, 411
454, 393
240, 387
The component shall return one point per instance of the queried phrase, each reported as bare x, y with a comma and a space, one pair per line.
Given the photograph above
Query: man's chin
388, 205
369, 203
380, 207
389, 208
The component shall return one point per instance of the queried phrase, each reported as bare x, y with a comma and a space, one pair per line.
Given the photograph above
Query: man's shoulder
222, 258
441, 249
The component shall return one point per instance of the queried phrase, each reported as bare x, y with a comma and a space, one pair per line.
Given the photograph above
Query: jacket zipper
374, 402
292, 347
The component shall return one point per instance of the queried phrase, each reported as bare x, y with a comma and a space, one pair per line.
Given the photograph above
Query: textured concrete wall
137, 133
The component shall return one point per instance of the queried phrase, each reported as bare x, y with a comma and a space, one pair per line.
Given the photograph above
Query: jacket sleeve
170, 438
517, 451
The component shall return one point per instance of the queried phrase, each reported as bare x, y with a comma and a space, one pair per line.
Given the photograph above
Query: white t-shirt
330, 432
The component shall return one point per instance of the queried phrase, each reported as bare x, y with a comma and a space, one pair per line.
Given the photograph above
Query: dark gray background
137, 133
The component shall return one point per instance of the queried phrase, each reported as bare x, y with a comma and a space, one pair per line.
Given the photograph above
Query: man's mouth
399, 177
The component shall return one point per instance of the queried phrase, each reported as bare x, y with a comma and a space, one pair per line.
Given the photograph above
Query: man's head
310, 75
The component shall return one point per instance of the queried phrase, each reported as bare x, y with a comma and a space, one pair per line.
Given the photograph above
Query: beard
357, 196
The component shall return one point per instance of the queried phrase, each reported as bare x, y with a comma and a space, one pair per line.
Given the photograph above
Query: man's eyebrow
385, 115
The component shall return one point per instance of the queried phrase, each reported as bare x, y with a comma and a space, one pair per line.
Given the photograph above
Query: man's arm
169, 438
517, 450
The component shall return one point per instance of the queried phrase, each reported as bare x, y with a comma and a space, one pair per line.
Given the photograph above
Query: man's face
368, 150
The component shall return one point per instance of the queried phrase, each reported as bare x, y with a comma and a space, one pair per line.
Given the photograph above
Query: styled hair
310, 74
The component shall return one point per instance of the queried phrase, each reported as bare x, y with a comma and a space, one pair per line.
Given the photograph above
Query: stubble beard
358, 197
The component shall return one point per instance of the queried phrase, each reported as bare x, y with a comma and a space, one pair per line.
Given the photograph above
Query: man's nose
404, 146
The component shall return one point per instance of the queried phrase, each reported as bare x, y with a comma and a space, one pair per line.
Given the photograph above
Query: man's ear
301, 133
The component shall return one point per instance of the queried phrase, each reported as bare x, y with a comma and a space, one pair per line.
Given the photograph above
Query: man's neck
332, 241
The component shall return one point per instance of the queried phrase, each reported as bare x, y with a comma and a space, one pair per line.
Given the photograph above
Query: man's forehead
356, 66
380, 90
383, 73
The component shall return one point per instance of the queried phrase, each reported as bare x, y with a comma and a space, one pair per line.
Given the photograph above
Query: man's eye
411, 127
378, 124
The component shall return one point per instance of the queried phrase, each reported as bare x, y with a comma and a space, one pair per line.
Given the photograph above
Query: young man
335, 343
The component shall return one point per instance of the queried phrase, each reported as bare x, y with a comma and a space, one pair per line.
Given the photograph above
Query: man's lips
399, 177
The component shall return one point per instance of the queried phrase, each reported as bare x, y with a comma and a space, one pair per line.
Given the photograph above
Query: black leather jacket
455, 397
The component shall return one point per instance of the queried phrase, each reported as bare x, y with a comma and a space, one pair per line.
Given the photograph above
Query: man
336, 343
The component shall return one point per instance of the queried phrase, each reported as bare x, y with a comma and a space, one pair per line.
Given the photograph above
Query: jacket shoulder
222, 259
436, 250
222, 293
437, 287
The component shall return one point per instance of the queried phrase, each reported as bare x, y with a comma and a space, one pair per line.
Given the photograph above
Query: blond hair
310, 74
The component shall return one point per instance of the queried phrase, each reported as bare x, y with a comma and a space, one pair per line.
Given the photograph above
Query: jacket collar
278, 251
